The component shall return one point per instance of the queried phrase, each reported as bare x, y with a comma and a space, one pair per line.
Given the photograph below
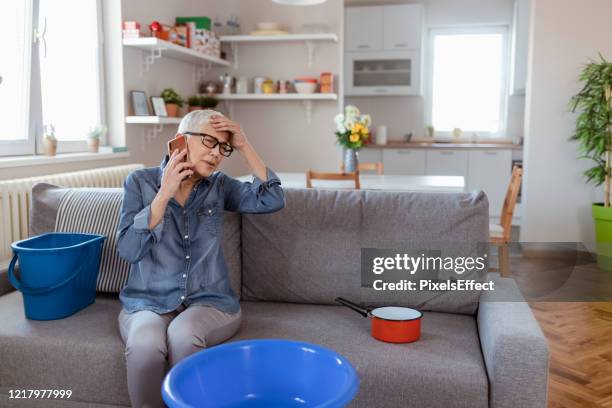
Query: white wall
557, 202
403, 114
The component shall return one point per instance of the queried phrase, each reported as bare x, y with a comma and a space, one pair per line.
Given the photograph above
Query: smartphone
180, 143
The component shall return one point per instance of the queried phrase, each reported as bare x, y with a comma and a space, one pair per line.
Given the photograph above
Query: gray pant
155, 342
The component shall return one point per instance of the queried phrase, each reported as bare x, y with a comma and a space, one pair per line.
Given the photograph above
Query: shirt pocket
210, 217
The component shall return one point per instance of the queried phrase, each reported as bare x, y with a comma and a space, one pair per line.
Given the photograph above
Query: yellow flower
354, 137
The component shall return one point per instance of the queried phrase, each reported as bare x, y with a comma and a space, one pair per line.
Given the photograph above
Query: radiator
15, 199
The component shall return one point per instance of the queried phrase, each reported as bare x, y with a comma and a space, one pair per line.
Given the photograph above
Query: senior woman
178, 297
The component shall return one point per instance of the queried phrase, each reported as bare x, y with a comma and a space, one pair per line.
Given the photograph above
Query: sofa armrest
514, 348
5, 285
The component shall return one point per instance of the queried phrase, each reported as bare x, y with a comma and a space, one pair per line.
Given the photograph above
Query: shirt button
186, 236
184, 211
186, 256
209, 211
184, 275
182, 297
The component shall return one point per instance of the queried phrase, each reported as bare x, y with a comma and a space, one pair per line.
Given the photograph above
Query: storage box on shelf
159, 48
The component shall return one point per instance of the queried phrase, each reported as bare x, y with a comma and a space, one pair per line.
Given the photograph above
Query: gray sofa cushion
91, 210
83, 352
96, 210
310, 251
444, 369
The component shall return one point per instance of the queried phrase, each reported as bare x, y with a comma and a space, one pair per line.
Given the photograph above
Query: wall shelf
307, 100
157, 121
309, 39
279, 38
153, 120
156, 48
278, 97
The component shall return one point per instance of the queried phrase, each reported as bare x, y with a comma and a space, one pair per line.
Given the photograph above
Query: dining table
390, 182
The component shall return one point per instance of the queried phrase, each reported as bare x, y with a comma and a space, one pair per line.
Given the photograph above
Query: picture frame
159, 106
140, 107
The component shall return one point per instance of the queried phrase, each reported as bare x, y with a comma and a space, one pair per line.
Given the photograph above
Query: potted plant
194, 103
173, 101
93, 137
209, 102
352, 130
429, 131
594, 135
49, 140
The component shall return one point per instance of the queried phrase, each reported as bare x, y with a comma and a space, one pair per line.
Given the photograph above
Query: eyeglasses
211, 142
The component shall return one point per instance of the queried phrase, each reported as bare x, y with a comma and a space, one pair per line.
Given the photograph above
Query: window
468, 85
15, 77
52, 75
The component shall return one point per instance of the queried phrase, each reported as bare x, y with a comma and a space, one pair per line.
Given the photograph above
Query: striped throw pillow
96, 211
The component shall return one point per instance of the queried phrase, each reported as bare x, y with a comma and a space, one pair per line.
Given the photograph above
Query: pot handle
362, 311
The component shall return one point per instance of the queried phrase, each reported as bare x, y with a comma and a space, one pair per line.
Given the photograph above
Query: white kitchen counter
376, 182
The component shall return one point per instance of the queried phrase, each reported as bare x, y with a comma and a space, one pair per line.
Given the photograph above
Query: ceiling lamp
299, 2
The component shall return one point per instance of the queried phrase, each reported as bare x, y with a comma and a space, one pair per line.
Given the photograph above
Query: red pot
390, 324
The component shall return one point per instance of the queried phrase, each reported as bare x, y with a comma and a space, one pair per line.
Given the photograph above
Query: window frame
33, 144
27, 146
504, 30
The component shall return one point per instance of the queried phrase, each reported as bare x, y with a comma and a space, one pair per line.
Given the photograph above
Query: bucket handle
39, 291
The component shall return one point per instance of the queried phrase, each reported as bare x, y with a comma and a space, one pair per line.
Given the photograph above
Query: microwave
383, 73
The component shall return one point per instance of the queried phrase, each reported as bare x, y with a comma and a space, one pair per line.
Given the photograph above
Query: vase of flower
351, 160
352, 132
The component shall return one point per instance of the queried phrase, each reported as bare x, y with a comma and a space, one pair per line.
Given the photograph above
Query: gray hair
193, 121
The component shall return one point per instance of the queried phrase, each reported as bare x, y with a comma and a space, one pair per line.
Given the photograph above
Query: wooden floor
579, 333
580, 340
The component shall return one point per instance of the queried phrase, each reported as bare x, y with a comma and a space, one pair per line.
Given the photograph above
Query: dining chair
313, 175
500, 234
378, 167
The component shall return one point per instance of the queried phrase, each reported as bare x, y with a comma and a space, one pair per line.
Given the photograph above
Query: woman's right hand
174, 172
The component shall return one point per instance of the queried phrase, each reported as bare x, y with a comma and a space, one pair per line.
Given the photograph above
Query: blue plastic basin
261, 373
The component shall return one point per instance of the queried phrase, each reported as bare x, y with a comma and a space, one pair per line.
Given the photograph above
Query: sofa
287, 268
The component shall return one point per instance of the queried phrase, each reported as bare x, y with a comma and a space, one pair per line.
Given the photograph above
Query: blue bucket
261, 374
58, 272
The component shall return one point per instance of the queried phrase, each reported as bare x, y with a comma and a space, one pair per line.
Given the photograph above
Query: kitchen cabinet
364, 28
446, 162
383, 73
383, 50
520, 47
370, 155
378, 28
490, 171
404, 161
402, 26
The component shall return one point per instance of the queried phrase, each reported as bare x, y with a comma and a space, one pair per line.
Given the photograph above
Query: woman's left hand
238, 139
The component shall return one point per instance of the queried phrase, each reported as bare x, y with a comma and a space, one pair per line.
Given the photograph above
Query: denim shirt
180, 260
